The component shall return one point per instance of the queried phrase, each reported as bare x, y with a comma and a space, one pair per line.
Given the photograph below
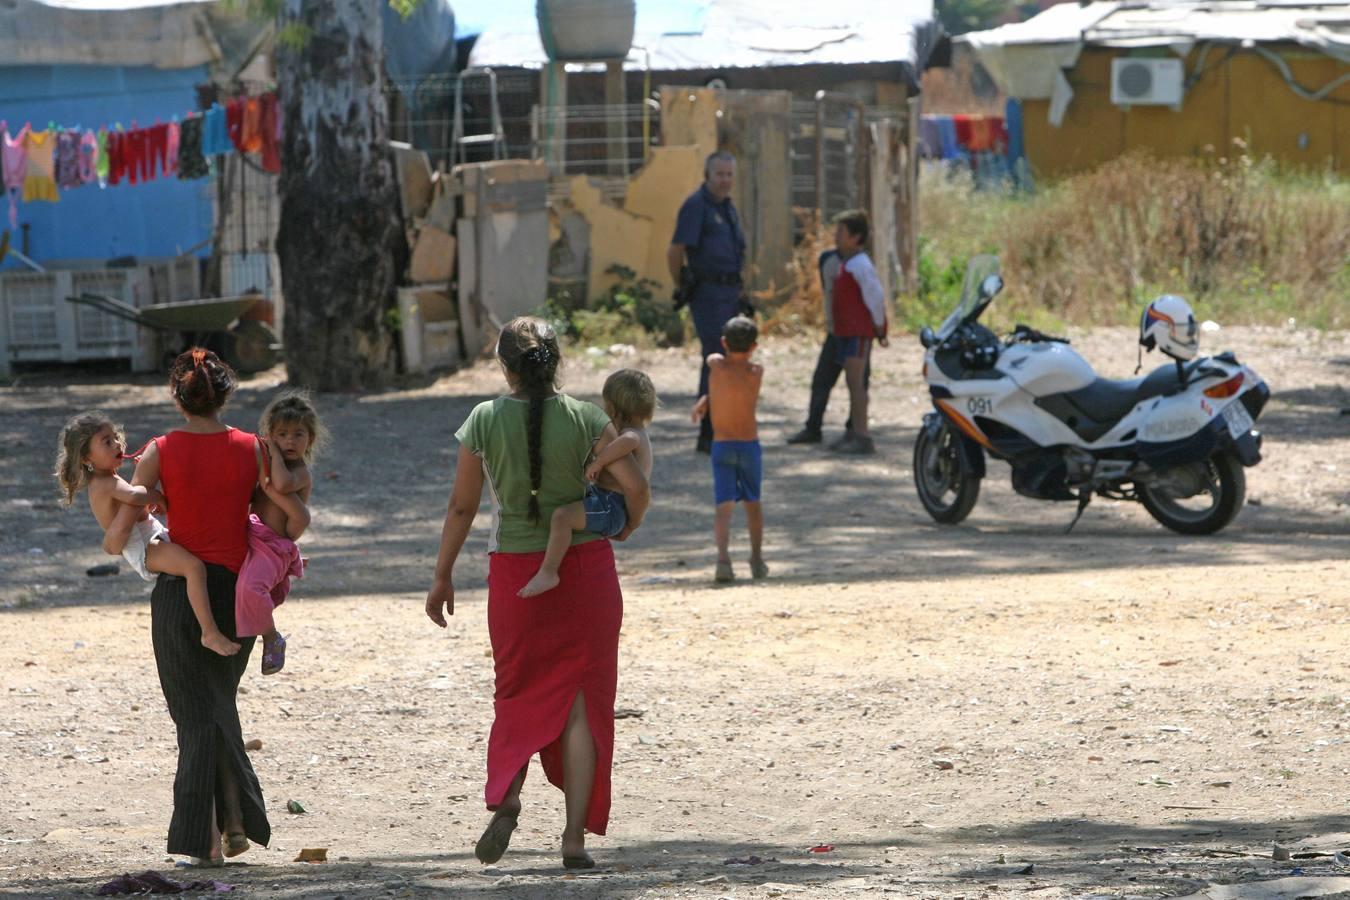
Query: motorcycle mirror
990, 286
926, 336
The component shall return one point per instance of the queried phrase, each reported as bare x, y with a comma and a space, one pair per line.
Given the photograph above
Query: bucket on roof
577, 30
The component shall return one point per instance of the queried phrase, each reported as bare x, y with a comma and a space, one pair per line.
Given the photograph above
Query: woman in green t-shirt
555, 654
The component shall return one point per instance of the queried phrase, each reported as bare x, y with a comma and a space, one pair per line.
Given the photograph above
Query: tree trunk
340, 237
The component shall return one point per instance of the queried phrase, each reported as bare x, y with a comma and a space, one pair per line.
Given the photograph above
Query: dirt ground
996, 709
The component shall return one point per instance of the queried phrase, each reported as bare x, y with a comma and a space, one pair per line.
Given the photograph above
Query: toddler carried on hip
90, 451
292, 435
630, 402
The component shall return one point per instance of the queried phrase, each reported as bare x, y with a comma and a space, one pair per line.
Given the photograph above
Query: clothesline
39, 164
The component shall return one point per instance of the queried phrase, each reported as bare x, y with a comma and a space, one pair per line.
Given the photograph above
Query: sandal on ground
759, 569
496, 838
723, 573
235, 844
274, 655
206, 862
583, 861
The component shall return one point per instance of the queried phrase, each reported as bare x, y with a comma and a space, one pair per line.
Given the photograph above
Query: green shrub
630, 312
1244, 241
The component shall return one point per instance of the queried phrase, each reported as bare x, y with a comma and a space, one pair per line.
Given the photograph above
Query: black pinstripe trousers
200, 687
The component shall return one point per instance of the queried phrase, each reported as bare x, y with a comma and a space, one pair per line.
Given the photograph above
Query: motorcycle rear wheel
940, 470
1223, 480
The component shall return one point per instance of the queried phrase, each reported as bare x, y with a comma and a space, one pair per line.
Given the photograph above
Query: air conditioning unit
1138, 81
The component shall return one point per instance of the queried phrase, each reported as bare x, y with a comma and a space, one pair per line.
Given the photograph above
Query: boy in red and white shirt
859, 314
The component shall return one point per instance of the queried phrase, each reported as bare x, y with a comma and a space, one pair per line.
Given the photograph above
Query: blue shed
94, 63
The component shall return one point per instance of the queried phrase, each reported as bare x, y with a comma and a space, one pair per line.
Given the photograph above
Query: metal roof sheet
753, 34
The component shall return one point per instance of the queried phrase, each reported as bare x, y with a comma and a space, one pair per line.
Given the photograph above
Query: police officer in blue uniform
706, 257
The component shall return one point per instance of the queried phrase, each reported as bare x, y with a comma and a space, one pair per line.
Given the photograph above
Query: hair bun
539, 355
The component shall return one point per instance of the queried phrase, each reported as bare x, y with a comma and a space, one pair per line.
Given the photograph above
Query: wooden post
553, 115
907, 199
616, 117
820, 156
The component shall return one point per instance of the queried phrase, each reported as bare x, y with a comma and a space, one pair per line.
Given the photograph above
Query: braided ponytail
528, 348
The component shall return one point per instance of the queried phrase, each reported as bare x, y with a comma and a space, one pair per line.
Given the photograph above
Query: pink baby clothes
88, 160
15, 158
264, 579
171, 150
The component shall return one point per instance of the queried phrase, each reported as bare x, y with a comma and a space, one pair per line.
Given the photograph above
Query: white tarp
755, 33
97, 32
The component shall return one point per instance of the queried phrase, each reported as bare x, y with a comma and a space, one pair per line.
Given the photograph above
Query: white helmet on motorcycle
1169, 324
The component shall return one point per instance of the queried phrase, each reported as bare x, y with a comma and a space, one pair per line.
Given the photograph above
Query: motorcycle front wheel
1198, 498
947, 488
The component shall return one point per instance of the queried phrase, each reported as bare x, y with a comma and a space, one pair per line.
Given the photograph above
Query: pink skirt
264, 579
547, 650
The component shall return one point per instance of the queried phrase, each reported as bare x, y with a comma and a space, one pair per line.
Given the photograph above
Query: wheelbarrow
246, 344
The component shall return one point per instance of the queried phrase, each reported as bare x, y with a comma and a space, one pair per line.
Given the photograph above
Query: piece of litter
254, 744
313, 855
821, 848
627, 712
944, 764
110, 568
748, 861
295, 808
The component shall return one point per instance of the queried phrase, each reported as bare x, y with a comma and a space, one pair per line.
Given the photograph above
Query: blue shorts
846, 348
737, 468
606, 511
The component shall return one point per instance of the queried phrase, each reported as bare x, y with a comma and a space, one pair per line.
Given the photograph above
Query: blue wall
160, 218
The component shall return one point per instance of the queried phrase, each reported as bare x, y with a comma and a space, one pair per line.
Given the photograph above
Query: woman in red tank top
207, 472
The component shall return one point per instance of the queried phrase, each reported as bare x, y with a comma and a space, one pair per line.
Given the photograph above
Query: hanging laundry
250, 129
39, 181
191, 162
156, 150
117, 157
101, 165
930, 142
15, 159
270, 124
134, 156
234, 123
215, 132
68, 160
86, 168
981, 134
963, 130
951, 148
171, 149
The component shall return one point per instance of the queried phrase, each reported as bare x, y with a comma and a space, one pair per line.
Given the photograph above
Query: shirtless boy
733, 393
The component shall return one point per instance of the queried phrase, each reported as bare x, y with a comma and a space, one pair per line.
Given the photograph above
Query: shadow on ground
1075, 855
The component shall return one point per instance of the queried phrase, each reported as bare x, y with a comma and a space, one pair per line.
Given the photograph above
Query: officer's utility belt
728, 279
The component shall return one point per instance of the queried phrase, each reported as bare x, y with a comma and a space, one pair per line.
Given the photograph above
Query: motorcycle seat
1109, 401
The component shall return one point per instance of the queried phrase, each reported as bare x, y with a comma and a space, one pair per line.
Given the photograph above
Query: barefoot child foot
543, 581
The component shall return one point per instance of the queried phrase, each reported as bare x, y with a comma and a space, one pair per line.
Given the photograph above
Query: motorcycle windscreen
971, 303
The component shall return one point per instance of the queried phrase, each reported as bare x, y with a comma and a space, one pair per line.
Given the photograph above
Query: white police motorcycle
1176, 440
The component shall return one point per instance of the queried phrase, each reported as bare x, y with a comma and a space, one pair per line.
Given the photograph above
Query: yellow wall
1243, 98
638, 235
